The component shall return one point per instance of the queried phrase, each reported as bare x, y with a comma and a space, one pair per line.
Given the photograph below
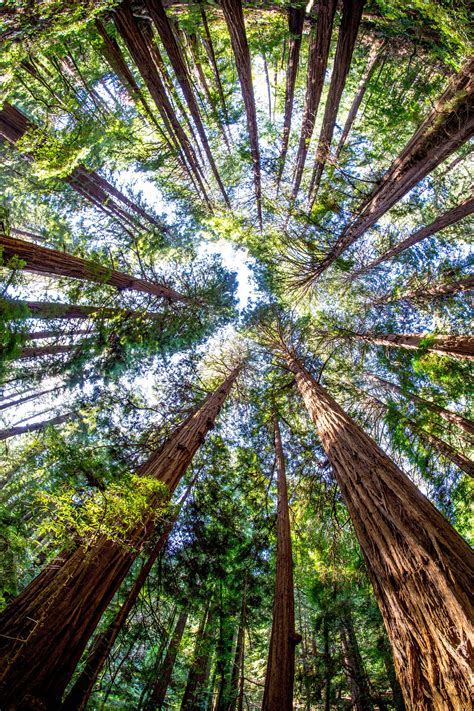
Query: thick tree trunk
158, 694
296, 17
447, 127
318, 54
35, 426
448, 218
234, 18
353, 666
351, 17
199, 671
455, 346
420, 568
430, 291
58, 612
43, 260
279, 678
452, 417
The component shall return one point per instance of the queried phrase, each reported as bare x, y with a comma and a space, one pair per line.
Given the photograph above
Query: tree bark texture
455, 346
46, 628
158, 694
420, 568
34, 426
430, 291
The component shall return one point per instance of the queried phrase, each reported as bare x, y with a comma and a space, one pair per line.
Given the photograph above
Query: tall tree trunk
279, 678
40, 335
234, 17
27, 398
46, 310
328, 666
445, 220
58, 612
420, 568
455, 346
430, 291
158, 694
318, 54
209, 47
351, 17
40, 351
383, 646
199, 670
447, 127
296, 17
448, 415
34, 426
353, 666
443, 448
235, 703
43, 260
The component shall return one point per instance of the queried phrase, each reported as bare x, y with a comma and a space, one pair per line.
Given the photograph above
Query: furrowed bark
279, 678
351, 17
420, 568
46, 628
34, 426
454, 346
318, 54
43, 260
234, 17
165, 672
430, 291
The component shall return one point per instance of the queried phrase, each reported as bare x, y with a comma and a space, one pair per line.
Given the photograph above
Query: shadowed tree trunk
234, 18
353, 666
236, 682
351, 17
383, 646
41, 351
27, 398
318, 54
209, 47
58, 612
35, 426
328, 665
446, 129
39, 335
279, 677
199, 671
441, 447
43, 260
165, 672
430, 291
296, 16
448, 218
421, 569
454, 346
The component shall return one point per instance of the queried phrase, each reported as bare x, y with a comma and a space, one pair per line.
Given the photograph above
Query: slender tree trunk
46, 310
199, 671
58, 612
447, 127
351, 17
40, 335
328, 671
420, 568
445, 220
383, 646
443, 448
279, 678
43, 260
41, 351
27, 398
296, 17
35, 426
318, 54
234, 18
354, 667
455, 346
158, 694
430, 291
209, 47
237, 667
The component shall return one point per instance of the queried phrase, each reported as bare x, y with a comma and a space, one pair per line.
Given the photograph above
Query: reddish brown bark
443, 448
43, 260
162, 683
351, 17
447, 127
34, 426
318, 53
279, 678
46, 628
209, 47
420, 568
455, 346
430, 291
234, 17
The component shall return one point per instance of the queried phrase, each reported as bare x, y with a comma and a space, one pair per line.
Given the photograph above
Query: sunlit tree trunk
443, 448
58, 612
455, 346
430, 291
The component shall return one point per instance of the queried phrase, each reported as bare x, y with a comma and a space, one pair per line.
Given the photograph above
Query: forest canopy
236, 436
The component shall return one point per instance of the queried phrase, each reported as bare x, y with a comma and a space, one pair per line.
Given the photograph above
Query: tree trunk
445, 220
447, 127
351, 17
58, 612
318, 54
199, 671
27, 398
430, 291
46, 310
158, 694
296, 17
279, 678
328, 671
451, 417
397, 697
353, 666
209, 47
420, 568
236, 698
40, 351
234, 18
43, 260
455, 346
443, 448
35, 426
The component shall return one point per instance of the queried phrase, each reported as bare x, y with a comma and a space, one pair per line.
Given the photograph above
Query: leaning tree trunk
454, 346
430, 291
165, 672
41, 351
351, 17
279, 678
34, 427
296, 17
43, 260
234, 17
318, 54
420, 568
448, 218
58, 612
441, 447
447, 127
28, 397
46, 310
209, 47
353, 665
199, 670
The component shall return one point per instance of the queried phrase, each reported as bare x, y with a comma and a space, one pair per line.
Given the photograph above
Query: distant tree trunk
223, 667
383, 646
447, 127
209, 47
296, 16
27, 398
34, 426
199, 670
443, 448
351, 17
41, 351
45, 310
445, 220
43, 260
353, 665
318, 54
158, 694
421, 569
455, 346
279, 678
58, 612
40, 335
327, 659
234, 18
373, 61
430, 291
236, 697
448, 415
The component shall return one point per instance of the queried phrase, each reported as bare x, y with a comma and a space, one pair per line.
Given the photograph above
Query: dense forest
235, 418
